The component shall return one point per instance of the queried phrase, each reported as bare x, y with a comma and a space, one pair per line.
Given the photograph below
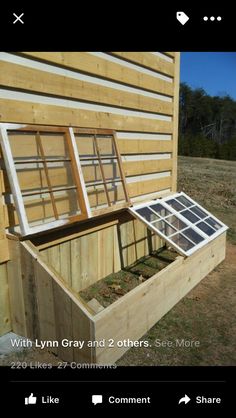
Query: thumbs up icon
31, 400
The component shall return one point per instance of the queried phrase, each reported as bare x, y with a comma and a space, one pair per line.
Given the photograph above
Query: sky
215, 72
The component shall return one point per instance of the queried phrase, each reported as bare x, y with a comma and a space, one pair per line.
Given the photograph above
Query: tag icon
182, 17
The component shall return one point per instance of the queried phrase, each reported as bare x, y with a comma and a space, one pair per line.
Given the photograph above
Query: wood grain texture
132, 168
36, 81
133, 315
74, 260
148, 60
60, 315
17, 111
5, 316
16, 295
140, 146
101, 67
142, 187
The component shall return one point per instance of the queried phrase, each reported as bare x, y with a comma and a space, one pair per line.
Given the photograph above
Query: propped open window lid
180, 221
59, 175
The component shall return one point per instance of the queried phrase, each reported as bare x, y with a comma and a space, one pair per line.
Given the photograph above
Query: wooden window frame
99, 158
77, 173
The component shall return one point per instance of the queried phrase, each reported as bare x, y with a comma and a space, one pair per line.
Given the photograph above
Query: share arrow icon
185, 399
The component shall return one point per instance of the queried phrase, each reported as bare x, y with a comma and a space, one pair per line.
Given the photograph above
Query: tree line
207, 125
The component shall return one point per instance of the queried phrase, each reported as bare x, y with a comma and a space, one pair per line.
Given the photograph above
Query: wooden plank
54, 257
149, 186
65, 261
46, 309
29, 288
106, 252
76, 264
94, 249
139, 167
116, 249
140, 146
132, 316
148, 60
63, 321
175, 122
101, 67
170, 54
56, 276
89, 250
5, 316
17, 111
31, 80
115, 208
128, 242
141, 243
60, 313
95, 305
83, 331
16, 294
70, 237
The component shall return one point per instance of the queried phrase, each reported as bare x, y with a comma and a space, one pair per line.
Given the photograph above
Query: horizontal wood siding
133, 93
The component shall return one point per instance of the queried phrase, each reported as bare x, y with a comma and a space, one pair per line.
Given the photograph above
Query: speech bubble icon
96, 399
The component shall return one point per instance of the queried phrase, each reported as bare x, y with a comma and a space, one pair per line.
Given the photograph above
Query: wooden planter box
47, 308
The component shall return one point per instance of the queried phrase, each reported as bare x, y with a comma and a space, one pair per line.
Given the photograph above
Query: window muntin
183, 223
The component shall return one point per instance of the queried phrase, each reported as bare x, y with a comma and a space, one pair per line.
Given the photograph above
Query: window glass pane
213, 223
105, 145
176, 222
184, 201
190, 216
182, 242
160, 210
164, 228
206, 228
184, 225
176, 205
147, 214
199, 212
193, 235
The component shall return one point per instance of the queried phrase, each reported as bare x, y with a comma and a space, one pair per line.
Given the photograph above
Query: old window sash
77, 171
98, 156
162, 212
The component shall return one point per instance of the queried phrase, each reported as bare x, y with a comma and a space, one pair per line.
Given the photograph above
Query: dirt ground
112, 287
206, 318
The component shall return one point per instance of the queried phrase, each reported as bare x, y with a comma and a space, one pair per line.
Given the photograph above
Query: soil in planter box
112, 287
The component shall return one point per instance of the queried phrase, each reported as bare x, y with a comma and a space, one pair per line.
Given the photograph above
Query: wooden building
84, 137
